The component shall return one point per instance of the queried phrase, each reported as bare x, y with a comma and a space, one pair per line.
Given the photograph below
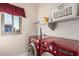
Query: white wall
17, 44
69, 29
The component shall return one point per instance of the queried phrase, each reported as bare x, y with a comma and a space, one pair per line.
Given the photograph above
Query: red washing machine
33, 46
37, 47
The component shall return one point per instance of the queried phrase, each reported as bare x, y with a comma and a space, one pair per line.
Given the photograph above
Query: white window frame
3, 26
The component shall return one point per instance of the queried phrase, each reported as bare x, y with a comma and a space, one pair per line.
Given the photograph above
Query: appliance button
55, 52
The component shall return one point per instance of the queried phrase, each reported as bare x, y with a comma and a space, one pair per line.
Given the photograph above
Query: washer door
32, 50
47, 54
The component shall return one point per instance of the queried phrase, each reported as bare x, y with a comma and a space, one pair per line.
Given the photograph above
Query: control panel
66, 51
60, 51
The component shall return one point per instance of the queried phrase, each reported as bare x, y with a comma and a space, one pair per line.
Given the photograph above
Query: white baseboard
24, 54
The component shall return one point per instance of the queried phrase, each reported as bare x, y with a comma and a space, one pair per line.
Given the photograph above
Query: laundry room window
16, 24
10, 24
7, 23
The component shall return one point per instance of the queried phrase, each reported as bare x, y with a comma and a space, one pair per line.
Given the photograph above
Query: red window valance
11, 9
